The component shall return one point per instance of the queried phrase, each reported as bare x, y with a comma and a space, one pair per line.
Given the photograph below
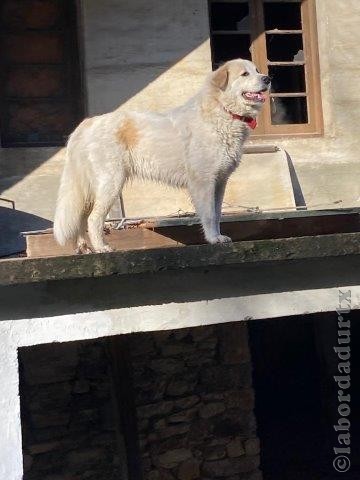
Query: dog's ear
220, 77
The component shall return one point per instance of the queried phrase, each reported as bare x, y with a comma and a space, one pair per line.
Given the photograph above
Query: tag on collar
252, 122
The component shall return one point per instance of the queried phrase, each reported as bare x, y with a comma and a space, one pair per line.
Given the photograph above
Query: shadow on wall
142, 49
138, 55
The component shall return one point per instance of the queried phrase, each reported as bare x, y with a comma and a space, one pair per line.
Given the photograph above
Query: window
280, 38
40, 75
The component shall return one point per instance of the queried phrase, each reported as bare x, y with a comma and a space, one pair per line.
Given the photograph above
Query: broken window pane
230, 16
284, 48
287, 79
282, 16
228, 47
290, 110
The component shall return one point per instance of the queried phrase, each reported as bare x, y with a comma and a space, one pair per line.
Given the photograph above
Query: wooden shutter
41, 100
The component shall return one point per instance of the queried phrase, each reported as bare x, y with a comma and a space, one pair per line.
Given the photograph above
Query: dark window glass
287, 79
228, 47
291, 110
284, 48
230, 16
282, 16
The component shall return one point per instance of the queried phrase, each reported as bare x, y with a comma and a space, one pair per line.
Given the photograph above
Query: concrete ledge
28, 270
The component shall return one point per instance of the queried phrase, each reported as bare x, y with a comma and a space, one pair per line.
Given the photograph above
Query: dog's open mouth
255, 96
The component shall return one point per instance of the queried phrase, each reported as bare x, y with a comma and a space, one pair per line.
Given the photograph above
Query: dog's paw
83, 249
104, 249
220, 239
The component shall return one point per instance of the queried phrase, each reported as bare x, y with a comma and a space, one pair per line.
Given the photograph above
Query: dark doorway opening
297, 398
77, 411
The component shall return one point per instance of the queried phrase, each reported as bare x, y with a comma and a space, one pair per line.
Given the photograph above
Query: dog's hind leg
105, 196
82, 246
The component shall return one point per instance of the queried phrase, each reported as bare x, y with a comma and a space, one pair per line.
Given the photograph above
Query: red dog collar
250, 122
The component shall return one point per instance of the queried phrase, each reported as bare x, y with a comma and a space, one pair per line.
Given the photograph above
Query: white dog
196, 146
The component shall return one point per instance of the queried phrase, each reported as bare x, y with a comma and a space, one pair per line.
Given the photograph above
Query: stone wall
193, 397
68, 420
195, 404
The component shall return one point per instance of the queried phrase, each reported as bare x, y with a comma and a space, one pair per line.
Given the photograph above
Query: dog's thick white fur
196, 146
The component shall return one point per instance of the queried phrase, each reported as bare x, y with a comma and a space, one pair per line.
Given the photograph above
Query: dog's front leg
219, 197
203, 195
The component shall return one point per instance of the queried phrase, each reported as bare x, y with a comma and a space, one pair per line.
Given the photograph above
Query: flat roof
275, 236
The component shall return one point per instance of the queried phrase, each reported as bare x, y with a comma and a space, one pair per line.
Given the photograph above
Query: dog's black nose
266, 80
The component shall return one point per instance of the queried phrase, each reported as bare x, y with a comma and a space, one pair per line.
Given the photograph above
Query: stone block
141, 344
201, 333
189, 470
157, 409
234, 345
81, 386
159, 475
187, 402
217, 378
211, 410
214, 453
177, 388
199, 358
44, 363
37, 448
171, 443
181, 333
186, 416
177, 348
200, 430
50, 396
151, 389
230, 466
173, 458
167, 366
252, 446
235, 448
243, 398
174, 430
85, 457
50, 419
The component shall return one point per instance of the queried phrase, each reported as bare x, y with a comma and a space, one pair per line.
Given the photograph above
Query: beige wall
154, 54
147, 54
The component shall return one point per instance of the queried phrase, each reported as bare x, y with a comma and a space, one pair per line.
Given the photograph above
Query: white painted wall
25, 332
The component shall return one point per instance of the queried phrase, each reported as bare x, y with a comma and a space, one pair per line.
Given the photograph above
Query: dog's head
240, 87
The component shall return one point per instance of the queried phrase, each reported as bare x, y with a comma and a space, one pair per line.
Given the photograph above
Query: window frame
258, 50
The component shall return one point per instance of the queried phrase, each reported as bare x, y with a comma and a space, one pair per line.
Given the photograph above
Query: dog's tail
70, 204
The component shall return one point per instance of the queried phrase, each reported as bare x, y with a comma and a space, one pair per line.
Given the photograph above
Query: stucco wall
148, 55
153, 56
144, 54
133, 68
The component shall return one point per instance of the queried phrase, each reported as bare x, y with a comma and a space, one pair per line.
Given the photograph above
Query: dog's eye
245, 74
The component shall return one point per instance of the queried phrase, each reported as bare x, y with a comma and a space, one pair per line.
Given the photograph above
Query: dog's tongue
258, 96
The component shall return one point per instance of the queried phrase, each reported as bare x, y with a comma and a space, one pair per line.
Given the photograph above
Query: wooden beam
44, 245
